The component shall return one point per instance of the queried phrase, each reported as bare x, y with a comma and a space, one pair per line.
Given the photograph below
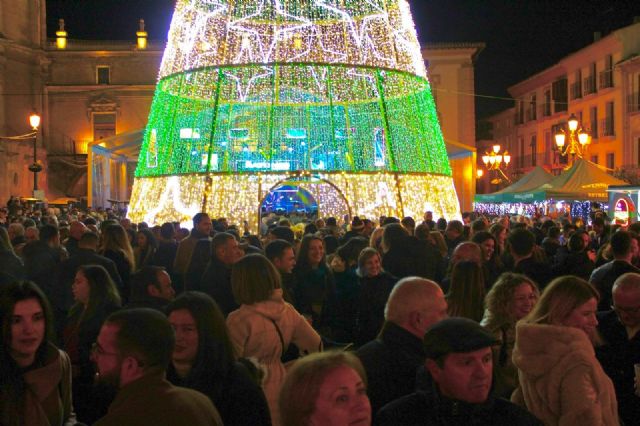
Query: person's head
553, 232
454, 230
253, 279
145, 239
487, 242
621, 245
311, 253
440, 243
151, 281
467, 290
328, 388
114, 237
459, 359
27, 324
369, 263
50, 235
375, 240
567, 301
202, 338
467, 251
598, 225
415, 304
428, 216
202, 223
93, 287
15, 230
511, 298
89, 241
441, 224
5, 242
31, 233
226, 248
478, 225
281, 254
350, 251
282, 233
626, 299
167, 231
132, 343
409, 224
393, 236
76, 229
521, 241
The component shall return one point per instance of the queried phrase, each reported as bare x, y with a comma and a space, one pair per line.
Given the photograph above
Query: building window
104, 125
534, 150
521, 152
560, 94
589, 85
532, 113
611, 157
576, 86
593, 118
607, 125
594, 159
103, 75
546, 107
606, 76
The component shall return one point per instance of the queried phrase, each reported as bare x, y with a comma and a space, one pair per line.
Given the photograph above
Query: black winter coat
374, 293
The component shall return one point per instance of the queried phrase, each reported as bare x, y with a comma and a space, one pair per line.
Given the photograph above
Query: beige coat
561, 381
254, 334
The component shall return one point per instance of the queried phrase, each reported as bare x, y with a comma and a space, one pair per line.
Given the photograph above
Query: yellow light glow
496, 149
573, 123
560, 137
61, 35
479, 173
34, 121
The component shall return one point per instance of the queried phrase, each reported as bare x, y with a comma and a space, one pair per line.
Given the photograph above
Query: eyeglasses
96, 349
628, 311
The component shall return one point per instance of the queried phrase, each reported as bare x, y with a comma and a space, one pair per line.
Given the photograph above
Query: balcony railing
589, 85
606, 127
545, 109
606, 79
576, 90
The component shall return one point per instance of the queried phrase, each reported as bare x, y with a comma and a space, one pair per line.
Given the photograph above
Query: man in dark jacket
522, 243
620, 330
216, 280
201, 229
459, 362
623, 246
132, 353
392, 360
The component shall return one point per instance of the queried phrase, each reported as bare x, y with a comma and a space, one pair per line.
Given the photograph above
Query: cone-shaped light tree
328, 95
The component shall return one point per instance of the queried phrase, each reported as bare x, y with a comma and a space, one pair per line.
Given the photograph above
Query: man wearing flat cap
460, 366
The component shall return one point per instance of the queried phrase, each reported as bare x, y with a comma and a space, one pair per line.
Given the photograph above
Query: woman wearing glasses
35, 376
510, 299
96, 297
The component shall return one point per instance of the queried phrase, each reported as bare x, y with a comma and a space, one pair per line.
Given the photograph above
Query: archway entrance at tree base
304, 198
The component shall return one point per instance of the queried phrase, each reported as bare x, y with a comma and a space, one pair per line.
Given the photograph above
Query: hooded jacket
261, 330
561, 381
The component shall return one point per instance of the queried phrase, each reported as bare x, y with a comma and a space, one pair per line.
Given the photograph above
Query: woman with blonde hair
265, 325
510, 299
115, 245
326, 389
466, 291
561, 381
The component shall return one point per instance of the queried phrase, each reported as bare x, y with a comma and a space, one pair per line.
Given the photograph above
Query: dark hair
521, 241
423, 232
167, 231
482, 236
576, 243
146, 276
47, 232
215, 357
310, 228
553, 232
12, 386
621, 243
199, 217
466, 291
393, 236
350, 251
89, 239
283, 233
478, 225
144, 334
275, 249
331, 221
441, 224
102, 291
302, 261
151, 239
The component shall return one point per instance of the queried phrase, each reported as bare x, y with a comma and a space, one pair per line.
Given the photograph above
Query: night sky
522, 37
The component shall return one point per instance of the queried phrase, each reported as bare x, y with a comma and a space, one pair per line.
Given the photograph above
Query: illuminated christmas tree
327, 95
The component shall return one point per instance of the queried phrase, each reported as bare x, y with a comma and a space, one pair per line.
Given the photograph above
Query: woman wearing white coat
265, 325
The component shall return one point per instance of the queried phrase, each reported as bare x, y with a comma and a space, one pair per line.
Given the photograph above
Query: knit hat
357, 224
456, 335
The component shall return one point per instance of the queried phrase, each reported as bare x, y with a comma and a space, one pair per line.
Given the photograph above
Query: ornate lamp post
34, 120
496, 161
578, 140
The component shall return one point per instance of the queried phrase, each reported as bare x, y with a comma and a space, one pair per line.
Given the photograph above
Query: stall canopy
532, 180
584, 181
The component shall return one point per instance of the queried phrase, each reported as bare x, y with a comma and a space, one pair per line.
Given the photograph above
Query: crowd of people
386, 321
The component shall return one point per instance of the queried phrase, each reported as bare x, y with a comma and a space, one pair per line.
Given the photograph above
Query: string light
335, 90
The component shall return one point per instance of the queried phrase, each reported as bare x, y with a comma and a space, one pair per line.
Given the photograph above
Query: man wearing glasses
620, 331
132, 353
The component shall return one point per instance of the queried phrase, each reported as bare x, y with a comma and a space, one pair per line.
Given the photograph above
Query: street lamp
35, 168
495, 161
578, 139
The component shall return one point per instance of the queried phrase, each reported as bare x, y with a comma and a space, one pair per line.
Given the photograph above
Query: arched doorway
304, 197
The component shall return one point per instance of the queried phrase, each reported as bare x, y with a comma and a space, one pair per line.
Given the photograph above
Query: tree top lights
287, 88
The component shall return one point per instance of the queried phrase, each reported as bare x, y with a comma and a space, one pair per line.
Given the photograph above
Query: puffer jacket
560, 380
